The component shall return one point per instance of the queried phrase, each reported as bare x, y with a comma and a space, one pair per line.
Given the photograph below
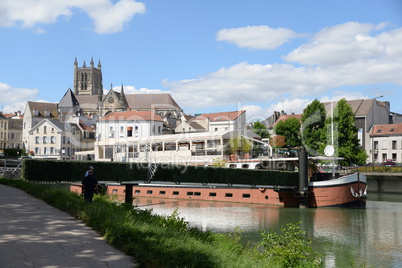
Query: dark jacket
89, 183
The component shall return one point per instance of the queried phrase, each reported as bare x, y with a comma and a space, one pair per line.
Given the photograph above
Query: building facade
387, 143
52, 139
3, 131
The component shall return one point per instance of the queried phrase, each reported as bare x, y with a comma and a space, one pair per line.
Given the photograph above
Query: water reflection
371, 237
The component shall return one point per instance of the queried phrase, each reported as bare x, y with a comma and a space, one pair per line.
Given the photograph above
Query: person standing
88, 186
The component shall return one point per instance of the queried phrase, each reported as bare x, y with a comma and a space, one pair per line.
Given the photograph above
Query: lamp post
372, 132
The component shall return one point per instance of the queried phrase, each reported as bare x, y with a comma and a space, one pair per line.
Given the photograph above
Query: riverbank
158, 241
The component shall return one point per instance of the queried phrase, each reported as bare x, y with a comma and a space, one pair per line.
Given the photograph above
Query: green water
370, 237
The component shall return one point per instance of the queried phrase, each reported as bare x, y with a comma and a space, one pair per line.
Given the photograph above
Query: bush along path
168, 241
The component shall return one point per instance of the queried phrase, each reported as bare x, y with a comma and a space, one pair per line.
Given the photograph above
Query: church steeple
87, 80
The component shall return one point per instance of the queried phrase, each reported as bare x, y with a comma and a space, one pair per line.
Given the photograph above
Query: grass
152, 240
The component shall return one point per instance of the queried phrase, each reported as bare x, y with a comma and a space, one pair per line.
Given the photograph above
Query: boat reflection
370, 237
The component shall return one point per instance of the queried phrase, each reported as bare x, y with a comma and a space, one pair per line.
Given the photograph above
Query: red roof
224, 116
285, 117
132, 115
387, 129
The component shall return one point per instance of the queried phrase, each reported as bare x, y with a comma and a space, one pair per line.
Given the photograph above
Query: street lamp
372, 132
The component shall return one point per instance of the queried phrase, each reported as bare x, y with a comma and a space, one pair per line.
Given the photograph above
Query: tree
313, 128
260, 129
290, 129
346, 142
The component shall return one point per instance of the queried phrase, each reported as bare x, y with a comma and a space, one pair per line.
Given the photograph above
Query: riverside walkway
35, 234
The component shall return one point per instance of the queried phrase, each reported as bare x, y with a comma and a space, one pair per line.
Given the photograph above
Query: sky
211, 56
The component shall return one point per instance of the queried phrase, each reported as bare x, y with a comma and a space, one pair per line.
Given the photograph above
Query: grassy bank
159, 241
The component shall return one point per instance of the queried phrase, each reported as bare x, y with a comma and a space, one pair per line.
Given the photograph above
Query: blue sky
211, 56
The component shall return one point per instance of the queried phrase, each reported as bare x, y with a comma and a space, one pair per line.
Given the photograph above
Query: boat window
228, 195
246, 195
162, 192
175, 192
212, 194
137, 191
149, 192
232, 166
197, 194
114, 191
190, 193
244, 166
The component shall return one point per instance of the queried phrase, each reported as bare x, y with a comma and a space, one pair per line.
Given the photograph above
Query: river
370, 237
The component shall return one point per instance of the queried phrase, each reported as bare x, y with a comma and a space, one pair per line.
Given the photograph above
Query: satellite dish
329, 150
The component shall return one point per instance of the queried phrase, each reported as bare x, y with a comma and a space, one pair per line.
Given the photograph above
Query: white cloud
133, 90
340, 44
16, 97
107, 17
256, 37
342, 55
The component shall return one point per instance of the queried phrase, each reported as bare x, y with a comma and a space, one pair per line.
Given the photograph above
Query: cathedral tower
87, 80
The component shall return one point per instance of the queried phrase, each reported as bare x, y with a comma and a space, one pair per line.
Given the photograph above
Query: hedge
73, 171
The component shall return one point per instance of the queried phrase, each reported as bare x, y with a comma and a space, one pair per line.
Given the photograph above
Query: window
129, 131
52, 139
44, 130
384, 157
159, 130
37, 150
45, 150
52, 150
393, 145
111, 132
394, 157
37, 141
375, 145
216, 129
63, 151
44, 139
52, 130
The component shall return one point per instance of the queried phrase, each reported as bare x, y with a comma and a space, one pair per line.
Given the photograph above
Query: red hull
337, 193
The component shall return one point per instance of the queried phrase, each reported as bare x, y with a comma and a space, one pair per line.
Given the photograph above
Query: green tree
313, 128
260, 129
290, 129
346, 142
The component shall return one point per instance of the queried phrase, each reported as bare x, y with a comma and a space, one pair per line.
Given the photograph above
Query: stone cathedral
88, 98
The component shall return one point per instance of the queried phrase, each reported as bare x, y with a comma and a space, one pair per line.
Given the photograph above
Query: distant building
3, 131
15, 133
34, 113
52, 139
387, 143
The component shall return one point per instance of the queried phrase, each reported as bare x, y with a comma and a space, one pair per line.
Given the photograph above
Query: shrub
289, 248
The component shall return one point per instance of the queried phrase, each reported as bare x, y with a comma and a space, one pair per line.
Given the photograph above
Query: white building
3, 131
34, 113
387, 142
52, 139
126, 130
137, 137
